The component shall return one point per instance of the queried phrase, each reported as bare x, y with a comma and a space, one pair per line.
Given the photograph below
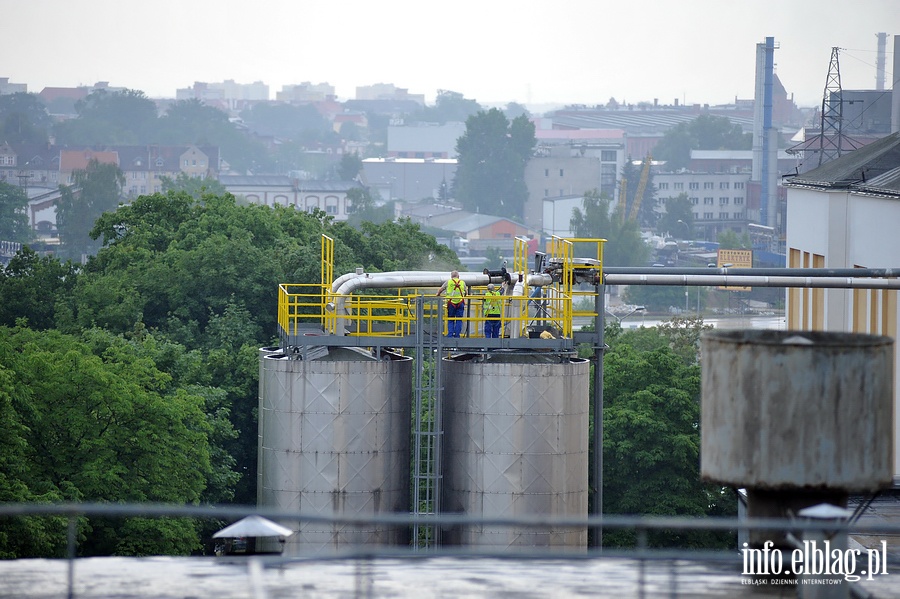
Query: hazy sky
493, 51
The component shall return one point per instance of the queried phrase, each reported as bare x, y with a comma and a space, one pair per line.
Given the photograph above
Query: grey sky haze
493, 51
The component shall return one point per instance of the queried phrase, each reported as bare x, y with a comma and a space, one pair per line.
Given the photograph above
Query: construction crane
642, 185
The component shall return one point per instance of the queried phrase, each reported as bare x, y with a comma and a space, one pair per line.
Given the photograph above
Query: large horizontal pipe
406, 278
731, 280
767, 272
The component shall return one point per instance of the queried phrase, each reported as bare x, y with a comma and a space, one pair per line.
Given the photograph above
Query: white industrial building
844, 214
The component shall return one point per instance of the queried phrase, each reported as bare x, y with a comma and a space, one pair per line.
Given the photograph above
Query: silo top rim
797, 338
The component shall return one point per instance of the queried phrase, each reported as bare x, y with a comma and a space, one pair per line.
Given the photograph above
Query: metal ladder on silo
426, 479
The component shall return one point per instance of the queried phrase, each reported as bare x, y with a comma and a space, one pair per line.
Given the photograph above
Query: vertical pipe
597, 399
765, 200
70, 551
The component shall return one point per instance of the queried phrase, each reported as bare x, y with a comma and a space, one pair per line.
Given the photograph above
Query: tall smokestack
879, 61
895, 89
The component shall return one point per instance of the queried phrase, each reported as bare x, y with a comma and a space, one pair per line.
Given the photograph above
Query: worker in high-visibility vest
455, 288
491, 310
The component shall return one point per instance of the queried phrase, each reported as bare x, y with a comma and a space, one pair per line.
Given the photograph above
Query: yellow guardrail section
388, 314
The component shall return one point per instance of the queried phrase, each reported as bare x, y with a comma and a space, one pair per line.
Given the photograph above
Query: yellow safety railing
385, 313
593, 247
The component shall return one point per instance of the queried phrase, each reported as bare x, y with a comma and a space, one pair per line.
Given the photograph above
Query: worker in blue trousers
491, 310
455, 288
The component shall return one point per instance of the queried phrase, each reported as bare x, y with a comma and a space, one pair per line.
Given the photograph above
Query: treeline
134, 378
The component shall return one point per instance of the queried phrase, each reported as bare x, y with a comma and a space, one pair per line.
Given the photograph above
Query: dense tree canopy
300, 123
33, 288
706, 132
23, 119
104, 117
449, 106
651, 445
93, 418
493, 152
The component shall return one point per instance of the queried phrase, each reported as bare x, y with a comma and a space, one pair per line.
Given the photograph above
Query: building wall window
546, 172
707, 185
679, 186
560, 174
694, 185
723, 216
607, 155
723, 201
708, 201
723, 185
695, 201
708, 215
738, 215
739, 185
663, 186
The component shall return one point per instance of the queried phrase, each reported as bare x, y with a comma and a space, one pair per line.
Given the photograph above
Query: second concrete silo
515, 444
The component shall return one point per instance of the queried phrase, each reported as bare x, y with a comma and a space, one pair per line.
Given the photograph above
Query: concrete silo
515, 444
334, 439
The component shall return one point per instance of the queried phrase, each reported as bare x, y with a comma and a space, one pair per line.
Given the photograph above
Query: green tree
678, 220
706, 132
651, 445
23, 119
596, 219
350, 166
395, 246
514, 109
95, 190
729, 240
34, 288
298, 122
194, 186
193, 122
493, 152
126, 118
365, 208
106, 427
13, 216
449, 106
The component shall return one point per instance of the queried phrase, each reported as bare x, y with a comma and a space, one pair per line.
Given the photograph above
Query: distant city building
556, 214
425, 140
410, 179
572, 163
305, 92
271, 190
227, 94
12, 88
388, 91
41, 168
